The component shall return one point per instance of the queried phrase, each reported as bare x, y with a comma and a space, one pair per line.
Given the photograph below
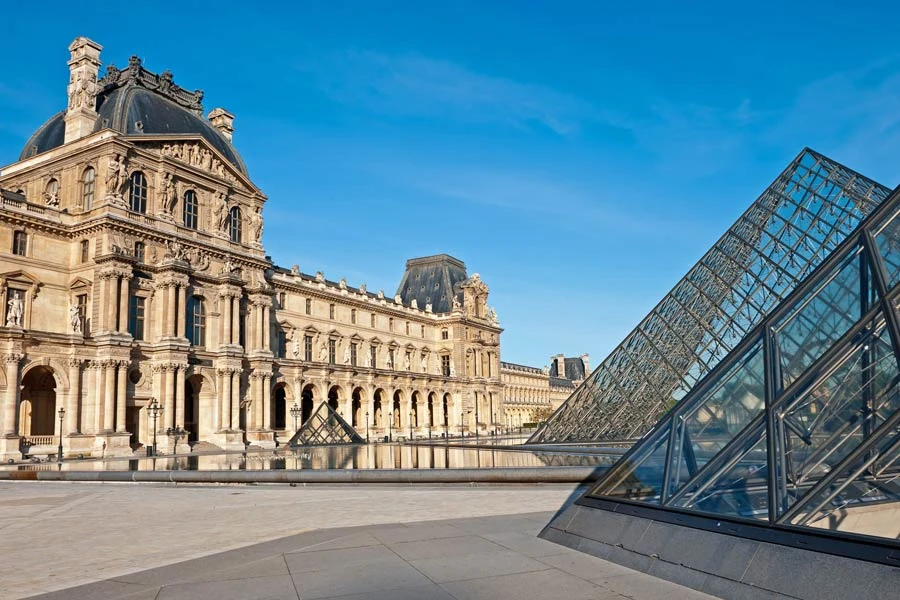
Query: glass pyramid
799, 426
796, 222
325, 427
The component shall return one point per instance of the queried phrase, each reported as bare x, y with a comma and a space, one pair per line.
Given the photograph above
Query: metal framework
799, 426
325, 427
796, 222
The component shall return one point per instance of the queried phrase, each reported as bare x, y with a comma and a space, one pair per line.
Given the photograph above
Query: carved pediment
79, 283
196, 152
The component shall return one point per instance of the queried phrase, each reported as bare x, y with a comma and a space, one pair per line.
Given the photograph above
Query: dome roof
136, 102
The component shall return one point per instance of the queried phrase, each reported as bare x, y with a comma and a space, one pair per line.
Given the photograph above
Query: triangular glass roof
796, 222
799, 426
325, 427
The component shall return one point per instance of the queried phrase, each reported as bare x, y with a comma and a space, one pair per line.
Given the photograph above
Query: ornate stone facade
145, 279
530, 393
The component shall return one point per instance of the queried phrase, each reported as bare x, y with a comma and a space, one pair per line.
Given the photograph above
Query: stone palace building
132, 272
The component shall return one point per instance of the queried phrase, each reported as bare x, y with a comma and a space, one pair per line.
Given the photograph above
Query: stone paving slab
478, 557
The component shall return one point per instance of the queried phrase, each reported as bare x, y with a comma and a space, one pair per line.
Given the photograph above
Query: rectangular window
353, 354
308, 306
372, 355
423, 331
136, 317
282, 299
391, 364
307, 347
445, 365
139, 251
20, 243
81, 302
391, 324
374, 321
282, 345
407, 328
331, 311
332, 351
353, 316
445, 335
85, 250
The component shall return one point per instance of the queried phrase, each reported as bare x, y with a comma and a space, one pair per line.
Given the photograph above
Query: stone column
235, 399
112, 302
121, 397
101, 299
225, 321
109, 395
172, 320
164, 309
224, 399
182, 311
11, 398
89, 405
168, 397
123, 303
267, 329
253, 393
179, 395
73, 410
235, 320
267, 403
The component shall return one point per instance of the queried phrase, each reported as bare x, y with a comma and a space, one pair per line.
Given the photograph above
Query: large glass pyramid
798, 426
785, 234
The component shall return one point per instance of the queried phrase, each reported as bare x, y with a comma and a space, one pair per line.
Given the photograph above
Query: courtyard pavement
142, 542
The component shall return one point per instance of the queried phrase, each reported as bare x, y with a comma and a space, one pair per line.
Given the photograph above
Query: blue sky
580, 156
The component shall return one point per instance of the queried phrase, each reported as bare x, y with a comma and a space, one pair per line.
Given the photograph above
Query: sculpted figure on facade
220, 212
169, 194
362, 288
14, 310
295, 344
323, 352
456, 305
367, 361
406, 364
75, 318
116, 177
424, 363
256, 224
452, 368
347, 353
83, 92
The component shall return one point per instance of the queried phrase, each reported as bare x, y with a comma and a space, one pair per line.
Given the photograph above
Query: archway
378, 408
37, 410
431, 402
414, 407
334, 397
279, 408
395, 410
356, 407
306, 403
446, 408
192, 387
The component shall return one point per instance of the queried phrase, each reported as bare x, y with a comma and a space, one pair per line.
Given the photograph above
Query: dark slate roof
433, 280
129, 106
561, 383
574, 369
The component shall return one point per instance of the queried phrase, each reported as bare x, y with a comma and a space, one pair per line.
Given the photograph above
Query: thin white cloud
418, 86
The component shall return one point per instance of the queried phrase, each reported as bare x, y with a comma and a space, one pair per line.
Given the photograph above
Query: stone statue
295, 345
220, 212
14, 310
228, 267
256, 223
492, 316
75, 318
390, 361
362, 288
169, 194
323, 352
398, 299
368, 357
414, 303
320, 276
116, 176
343, 283
52, 198
424, 363
380, 294
347, 354
406, 362
452, 369
456, 304
176, 251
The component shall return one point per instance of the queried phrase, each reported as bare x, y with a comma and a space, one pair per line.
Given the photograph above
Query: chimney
84, 67
586, 359
560, 360
222, 120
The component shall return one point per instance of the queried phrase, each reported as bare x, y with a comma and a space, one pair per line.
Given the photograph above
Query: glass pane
864, 497
827, 422
888, 242
712, 420
738, 488
639, 476
818, 320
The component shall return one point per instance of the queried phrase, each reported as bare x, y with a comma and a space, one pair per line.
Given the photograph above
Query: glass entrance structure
799, 426
799, 220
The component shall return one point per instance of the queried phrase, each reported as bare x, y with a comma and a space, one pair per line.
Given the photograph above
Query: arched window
190, 211
196, 314
234, 224
137, 192
87, 189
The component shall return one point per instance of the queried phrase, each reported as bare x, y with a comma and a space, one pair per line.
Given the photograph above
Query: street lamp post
295, 412
391, 427
409, 418
62, 413
367, 427
153, 410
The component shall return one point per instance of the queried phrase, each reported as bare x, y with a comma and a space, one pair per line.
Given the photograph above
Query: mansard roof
433, 280
136, 102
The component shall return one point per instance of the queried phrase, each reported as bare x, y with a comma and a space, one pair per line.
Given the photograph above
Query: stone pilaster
74, 413
121, 391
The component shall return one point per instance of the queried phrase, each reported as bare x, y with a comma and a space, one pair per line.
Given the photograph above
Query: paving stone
343, 580
468, 545
348, 558
584, 565
542, 585
429, 592
416, 532
280, 587
471, 566
524, 543
647, 587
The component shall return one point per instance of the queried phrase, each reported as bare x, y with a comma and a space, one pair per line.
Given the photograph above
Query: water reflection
372, 456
